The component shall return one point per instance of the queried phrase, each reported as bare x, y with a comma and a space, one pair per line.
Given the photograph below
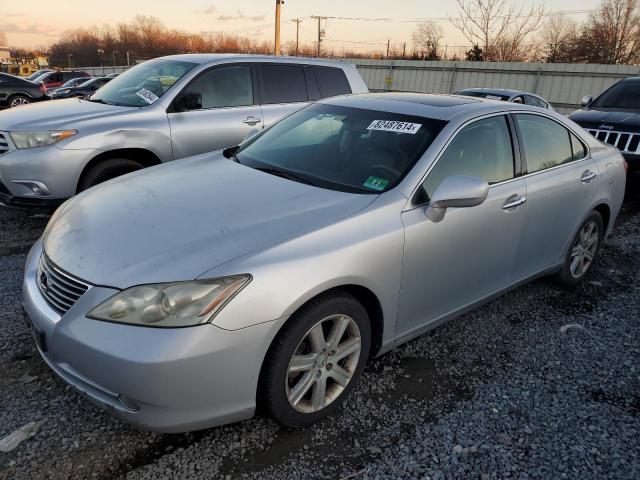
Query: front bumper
27, 203
169, 380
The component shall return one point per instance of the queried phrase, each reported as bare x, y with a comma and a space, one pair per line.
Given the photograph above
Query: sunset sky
32, 23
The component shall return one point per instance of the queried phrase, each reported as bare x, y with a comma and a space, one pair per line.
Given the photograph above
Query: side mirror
456, 191
188, 101
586, 100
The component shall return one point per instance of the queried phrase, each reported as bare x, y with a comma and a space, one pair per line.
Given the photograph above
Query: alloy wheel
323, 363
16, 102
584, 249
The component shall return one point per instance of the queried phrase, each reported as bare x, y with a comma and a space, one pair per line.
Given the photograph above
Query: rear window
332, 81
283, 84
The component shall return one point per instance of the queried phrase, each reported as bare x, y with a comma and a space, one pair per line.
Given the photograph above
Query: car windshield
623, 95
144, 84
73, 82
341, 148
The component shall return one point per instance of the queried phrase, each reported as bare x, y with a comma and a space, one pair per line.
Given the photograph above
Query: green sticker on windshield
375, 183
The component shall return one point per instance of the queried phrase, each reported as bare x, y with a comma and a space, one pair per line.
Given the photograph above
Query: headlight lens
40, 139
179, 304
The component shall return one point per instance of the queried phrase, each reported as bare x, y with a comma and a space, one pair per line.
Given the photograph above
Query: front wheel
107, 170
582, 251
316, 360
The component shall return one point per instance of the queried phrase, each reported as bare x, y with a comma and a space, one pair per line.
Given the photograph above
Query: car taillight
626, 166
43, 89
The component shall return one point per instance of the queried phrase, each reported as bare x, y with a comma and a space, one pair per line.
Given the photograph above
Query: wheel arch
142, 155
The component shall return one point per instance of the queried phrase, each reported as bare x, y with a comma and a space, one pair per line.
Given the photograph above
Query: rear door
561, 181
229, 112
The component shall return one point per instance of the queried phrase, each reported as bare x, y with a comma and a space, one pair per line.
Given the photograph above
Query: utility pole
388, 45
276, 49
127, 58
298, 21
404, 50
320, 32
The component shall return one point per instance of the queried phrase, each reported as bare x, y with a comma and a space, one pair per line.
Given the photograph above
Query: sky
34, 23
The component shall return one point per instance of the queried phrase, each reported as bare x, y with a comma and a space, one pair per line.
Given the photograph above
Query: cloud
230, 17
29, 27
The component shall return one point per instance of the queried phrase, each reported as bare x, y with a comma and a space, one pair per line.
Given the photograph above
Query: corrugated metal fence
561, 84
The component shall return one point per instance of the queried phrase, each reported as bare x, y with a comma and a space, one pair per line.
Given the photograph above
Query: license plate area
38, 335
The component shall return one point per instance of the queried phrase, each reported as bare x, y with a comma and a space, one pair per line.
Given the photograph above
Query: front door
227, 116
470, 254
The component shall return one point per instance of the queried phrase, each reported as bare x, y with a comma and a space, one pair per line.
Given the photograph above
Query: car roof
204, 58
438, 106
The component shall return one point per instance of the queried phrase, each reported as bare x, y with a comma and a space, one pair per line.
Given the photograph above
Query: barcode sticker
147, 95
393, 126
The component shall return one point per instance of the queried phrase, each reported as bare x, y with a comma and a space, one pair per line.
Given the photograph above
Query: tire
106, 170
278, 386
582, 251
18, 100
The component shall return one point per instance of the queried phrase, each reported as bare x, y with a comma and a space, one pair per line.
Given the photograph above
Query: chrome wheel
18, 101
584, 249
323, 363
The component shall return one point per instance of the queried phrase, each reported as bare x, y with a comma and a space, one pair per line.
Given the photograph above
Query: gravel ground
541, 383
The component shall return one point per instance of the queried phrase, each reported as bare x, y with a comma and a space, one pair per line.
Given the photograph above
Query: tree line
497, 30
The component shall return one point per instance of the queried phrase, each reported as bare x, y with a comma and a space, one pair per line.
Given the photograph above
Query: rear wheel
316, 360
583, 250
106, 170
19, 100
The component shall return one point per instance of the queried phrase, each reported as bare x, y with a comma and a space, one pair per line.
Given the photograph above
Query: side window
332, 81
482, 149
283, 84
536, 102
228, 86
545, 142
578, 148
518, 99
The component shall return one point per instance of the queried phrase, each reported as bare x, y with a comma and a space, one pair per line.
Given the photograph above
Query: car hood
607, 119
176, 221
60, 114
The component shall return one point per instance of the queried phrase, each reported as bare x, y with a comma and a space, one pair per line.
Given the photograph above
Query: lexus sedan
81, 90
265, 275
507, 95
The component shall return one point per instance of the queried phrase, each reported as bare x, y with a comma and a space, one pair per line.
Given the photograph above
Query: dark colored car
16, 91
74, 82
53, 80
37, 73
82, 90
614, 118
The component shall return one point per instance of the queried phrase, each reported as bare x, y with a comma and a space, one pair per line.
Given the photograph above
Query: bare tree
558, 40
614, 32
426, 40
498, 27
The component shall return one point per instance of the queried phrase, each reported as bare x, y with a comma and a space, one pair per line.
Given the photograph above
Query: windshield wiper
286, 174
230, 153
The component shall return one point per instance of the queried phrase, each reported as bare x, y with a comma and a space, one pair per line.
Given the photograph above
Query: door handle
251, 121
587, 176
513, 201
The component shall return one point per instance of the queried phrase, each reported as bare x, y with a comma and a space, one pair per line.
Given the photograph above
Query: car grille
4, 143
626, 142
59, 289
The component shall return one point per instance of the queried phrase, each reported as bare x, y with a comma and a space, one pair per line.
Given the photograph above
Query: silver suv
163, 109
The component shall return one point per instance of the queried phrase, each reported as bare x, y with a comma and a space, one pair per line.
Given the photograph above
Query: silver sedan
265, 275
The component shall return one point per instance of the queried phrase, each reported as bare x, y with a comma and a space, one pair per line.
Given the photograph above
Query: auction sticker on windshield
393, 126
375, 183
147, 95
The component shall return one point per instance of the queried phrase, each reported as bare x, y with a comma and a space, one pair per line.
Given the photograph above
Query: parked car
506, 95
82, 90
16, 91
53, 80
267, 274
158, 111
37, 73
112, 75
74, 82
614, 118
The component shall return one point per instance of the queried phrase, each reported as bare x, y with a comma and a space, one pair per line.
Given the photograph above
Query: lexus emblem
44, 281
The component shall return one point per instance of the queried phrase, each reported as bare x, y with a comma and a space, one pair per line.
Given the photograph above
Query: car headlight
40, 139
179, 304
